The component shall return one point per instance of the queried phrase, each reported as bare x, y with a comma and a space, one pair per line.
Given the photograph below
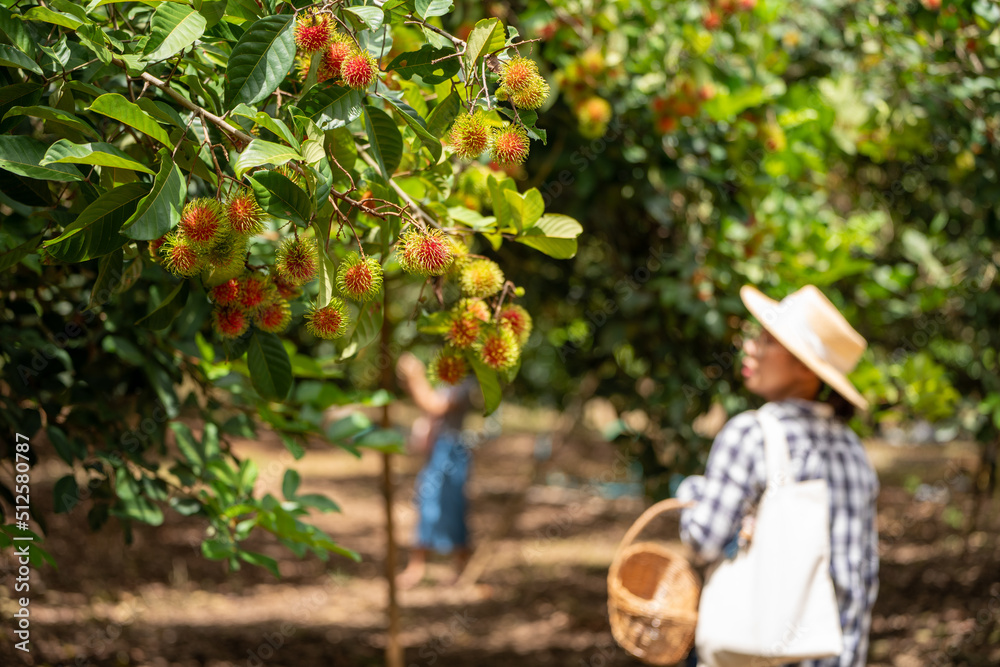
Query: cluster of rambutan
579, 80
521, 84
684, 101
472, 134
340, 58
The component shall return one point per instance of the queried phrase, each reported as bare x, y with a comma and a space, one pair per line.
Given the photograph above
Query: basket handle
651, 513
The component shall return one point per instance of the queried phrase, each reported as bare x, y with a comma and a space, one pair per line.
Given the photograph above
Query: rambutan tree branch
399, 191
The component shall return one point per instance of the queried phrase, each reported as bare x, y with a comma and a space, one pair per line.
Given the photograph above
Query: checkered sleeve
734, 479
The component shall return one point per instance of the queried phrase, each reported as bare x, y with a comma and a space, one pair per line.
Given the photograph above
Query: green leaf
109, 275
348, 427
216, 549
12, 57
15, 255
418, 63
55, 116
372, 17
486, 37
188, 446
100, 154
173, 28
168, 310
95, 230
385, 140
22, 155
272, 124
270, 367
260, 60
320, 502
280, 197
444, 114
554, 234
389, 441
261, 560
290, 484
160, 210
93, 38
326, 277
525, 209
397, 10
501, 209
332, 106
117, 107
417, 124
19, 36
46, 15
428, 8
261, 152
66, 494
489, 382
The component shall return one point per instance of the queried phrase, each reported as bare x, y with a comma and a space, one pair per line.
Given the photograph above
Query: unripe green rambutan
273, 317
477, 308
518, 321
229, 321
297, 260
359, 278
470, 135
449, 366
226, 293
481, 278
427, 253
329, 321
359, 69
463, 331
255, 291
518, 74
509, 145
203, 222
313, 31
531, 97
180, 256
498, 349
243, 213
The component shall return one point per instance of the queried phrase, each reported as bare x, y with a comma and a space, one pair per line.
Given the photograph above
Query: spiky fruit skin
180, 256
285, 289
154, 248
463, 331
470, 135
255, 292
531, 97
243, 213
329, 321
425, 253
229, 321
297, 260
509, 146
449, 367
227, 293
475, 308
359, 70
273, 317
203, 222
518, 320
313, 32
333, 57
359, 278
498, 349
518, 74
481, 278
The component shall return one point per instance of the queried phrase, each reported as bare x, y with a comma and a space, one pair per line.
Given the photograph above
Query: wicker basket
653, 595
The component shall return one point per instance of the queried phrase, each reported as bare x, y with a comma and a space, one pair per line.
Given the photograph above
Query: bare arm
414, 380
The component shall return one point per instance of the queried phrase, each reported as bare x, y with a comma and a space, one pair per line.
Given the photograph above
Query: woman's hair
842, 408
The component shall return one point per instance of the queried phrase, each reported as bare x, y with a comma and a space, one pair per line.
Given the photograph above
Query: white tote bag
774, 602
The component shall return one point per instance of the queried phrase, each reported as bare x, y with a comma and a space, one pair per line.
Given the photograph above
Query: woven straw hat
813, 330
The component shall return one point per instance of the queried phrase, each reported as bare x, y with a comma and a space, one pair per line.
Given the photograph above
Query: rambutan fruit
518, 74
476, 308
203, 222
297, 260
449, 366
286, 290
254, 291
470, 135
359, 69
518, 321
180, 256
333, 57
481, 278
498, 349
154, 248
226, 293
243, 213
229, 321
313, 32
509, 146
329, 321
359, 278
427, 253
463, 330
273, 317
531, 97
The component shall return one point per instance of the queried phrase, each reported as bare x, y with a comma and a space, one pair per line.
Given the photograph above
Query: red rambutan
518, 321
449, 366
226, 293
243, 213
328, 322
229, 322
313, 32
429, 253
470, 135
203, 222
462, 331
518, 74
510, 145
498, 349
359, 69
180, 256
297, 260
254, 292
273, 317
359, 278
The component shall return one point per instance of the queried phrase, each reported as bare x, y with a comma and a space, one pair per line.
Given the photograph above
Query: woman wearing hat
799, 365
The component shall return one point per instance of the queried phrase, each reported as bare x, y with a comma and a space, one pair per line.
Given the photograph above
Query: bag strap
776, 457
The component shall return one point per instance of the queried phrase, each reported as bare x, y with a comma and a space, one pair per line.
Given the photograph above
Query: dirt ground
546, 527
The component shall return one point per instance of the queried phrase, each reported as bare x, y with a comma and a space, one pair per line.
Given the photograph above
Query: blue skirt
440, 496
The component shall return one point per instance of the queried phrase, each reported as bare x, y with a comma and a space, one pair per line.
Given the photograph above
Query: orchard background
187, 194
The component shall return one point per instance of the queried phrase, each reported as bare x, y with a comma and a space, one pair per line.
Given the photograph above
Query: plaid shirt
820, 447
